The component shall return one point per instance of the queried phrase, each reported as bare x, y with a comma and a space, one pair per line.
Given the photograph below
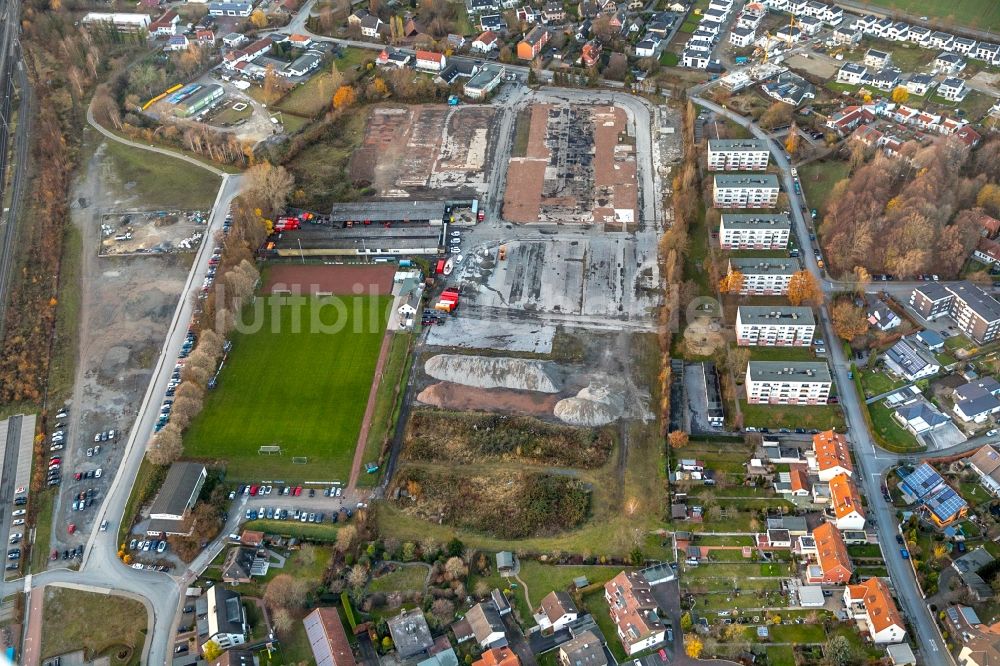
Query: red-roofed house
833, 562
987, 251
591, 53
486, 42
871, 603
868, 135
166, 25
969, 136
848, 118
990, 225
205, 37
301, 41
431, 61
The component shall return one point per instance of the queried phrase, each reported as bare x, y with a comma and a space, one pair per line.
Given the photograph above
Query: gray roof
756, 220
982, 386
765, 266
921, 409
442, 658
505, 559
746, 180
854, 67
781, 314
584, 650
484, 619
875, 53
978, 300
410, 633
180, 484
933, 291
484, 76
910, 358
950, 57
306, 61
737, 144
228, 611
798, 371
387, 211
930, 337
952, 83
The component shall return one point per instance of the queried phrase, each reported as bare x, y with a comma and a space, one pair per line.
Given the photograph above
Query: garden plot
151, 232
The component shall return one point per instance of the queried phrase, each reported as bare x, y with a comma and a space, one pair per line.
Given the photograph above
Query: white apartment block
738, 155
764, 277
758, 231
774, 326
745, 190
787, 383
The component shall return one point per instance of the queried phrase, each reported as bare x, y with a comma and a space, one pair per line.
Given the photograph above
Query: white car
19, 521
991, 433
161, 547
19, 512
104, 526
98, 472
90, 453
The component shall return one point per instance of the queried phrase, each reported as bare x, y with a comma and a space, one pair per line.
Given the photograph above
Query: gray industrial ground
126, 304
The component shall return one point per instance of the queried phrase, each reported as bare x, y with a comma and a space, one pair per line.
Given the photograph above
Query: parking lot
16, 451
151, 232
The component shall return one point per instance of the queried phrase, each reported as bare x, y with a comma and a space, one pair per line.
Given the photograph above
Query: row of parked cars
157, 545
67, 554
254, 490
274, 513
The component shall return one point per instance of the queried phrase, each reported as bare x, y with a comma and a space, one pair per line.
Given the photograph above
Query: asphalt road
872, 462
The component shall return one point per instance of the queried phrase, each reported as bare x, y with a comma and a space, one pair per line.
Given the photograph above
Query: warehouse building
200, 101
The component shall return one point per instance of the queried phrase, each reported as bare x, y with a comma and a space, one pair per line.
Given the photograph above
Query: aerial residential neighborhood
500, 332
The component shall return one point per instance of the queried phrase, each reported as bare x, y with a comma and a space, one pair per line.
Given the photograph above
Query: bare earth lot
407, 150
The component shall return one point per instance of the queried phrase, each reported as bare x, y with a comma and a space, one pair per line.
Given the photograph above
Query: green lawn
981, 14
301, 389
388, 401
230, 116
888, 431
99, 623
792, 633
310, 98
43, 529
290, 528
781, 354
819, 417
405, 579
818, 179
164, 181
668, 59
544, 578
147, 482
877, 382
597, 606
780, 655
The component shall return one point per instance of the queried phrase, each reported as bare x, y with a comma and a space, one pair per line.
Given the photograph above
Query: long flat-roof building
788, 383
774, 326
203, 99
976, 313
737, 155
761, 231
119, 21
751, 190
764, 276
176, 498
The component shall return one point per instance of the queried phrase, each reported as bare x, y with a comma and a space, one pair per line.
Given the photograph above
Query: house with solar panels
939, 502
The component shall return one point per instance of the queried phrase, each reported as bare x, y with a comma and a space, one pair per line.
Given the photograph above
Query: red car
663, 655
71, 528
253, 490
54, 555
298, 490
78, 476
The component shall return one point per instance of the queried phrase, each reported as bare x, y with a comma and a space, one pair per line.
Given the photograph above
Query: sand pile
597, 404
495, 372
454, 396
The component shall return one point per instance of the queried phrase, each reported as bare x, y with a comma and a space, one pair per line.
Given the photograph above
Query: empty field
100, 624
295, 387
981, 14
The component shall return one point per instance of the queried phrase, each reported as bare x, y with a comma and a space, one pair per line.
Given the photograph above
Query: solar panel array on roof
945, 504
923, 480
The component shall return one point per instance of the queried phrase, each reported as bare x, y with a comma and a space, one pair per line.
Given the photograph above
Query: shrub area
434, 436
508, 505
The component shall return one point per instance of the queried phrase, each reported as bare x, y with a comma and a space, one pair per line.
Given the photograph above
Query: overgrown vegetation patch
508, 505
438, 436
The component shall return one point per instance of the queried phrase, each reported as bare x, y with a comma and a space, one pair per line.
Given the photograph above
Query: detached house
948, 63
845, 502
556, 611
986, 463
166, 25
953, 90
875, 59
486, 42
977, 400
833, 564
851, 73
591, 53
370, 25
871, 603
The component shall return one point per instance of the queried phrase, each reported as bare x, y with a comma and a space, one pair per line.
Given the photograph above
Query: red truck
287, 224
439, 268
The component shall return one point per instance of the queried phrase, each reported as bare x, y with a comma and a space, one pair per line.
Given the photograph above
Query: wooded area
914, 213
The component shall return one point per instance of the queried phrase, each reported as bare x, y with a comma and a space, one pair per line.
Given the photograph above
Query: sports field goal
269, 450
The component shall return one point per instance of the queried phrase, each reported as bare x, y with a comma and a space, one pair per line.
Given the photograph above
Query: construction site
409, 151
151, 232
578, 166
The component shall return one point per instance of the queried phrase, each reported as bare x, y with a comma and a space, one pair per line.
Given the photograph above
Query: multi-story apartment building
761, 231
738, 155
634, 611
774, 326
976, 313
759, 190
787, 383
764, 276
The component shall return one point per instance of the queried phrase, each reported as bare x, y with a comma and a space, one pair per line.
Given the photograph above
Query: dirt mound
599, 403
455, 396
494, 372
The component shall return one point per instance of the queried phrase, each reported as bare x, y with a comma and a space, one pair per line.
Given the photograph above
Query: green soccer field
303, 391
